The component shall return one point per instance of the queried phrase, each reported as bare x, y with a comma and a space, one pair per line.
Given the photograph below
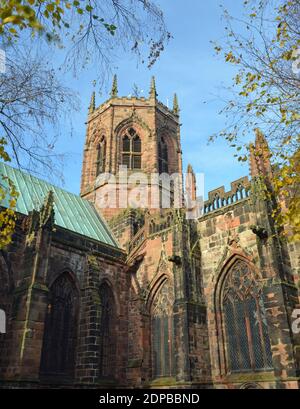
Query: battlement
133, 100
218, 198
166, 110
153, 225
159, 223
137, 102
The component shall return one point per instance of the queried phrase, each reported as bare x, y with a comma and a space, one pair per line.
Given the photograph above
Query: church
145, 297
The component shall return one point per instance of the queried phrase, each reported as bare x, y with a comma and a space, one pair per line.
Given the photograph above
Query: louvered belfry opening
131, 150
246, 329
107, 347
59, 344
163, 165
101, 156
162, 322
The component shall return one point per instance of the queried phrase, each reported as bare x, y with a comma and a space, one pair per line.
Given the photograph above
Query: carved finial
175, 105
190, 187
114, 88
260, 156
190, 169
92, 103
153, 93
260, 139
254, 171
47, 211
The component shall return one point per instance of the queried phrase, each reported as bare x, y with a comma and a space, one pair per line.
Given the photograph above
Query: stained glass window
248, 343
163, 332
132, 150
107, 333
58, 353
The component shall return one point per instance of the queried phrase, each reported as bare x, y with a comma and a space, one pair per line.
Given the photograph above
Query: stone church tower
140, 134
168, 335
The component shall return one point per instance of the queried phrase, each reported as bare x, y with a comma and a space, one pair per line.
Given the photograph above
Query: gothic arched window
132, 150
163, 332
107, 353
246, 329
162, 156
101, 156
58, 353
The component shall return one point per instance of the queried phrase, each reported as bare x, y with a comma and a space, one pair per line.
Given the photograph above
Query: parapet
218, 198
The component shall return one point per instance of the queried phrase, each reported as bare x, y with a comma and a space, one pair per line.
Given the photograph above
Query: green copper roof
71, 211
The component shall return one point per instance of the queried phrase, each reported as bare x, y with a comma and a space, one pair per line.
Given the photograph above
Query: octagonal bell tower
128, 138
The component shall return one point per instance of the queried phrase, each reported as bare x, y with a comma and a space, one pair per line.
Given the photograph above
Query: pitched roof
71, 211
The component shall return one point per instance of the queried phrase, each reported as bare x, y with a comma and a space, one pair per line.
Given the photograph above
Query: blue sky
189, 67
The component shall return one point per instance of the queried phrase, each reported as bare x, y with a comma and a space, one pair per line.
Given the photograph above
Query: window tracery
163, 331
246, 329
132, 150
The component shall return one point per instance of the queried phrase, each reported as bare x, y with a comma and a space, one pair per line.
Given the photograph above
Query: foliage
32, 97
287, 184
265, 48
7, 215
35, 14
93, 28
